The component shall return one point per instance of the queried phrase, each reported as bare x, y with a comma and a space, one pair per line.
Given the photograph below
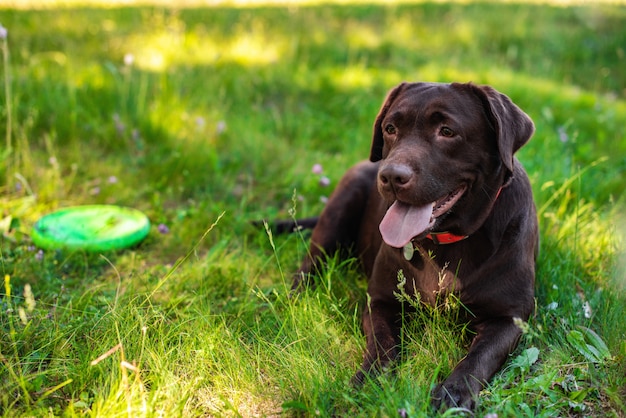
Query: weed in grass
6, 156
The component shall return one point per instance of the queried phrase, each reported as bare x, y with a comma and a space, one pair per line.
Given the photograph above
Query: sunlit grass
156, 52
208, 109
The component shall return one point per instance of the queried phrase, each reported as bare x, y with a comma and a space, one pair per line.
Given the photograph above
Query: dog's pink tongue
403, 222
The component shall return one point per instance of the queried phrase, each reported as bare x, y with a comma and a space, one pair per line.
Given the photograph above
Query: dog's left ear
513, 127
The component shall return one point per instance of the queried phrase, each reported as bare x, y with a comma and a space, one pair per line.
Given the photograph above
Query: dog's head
446, 150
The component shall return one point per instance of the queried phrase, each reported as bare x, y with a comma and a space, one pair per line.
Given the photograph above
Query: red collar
447, 237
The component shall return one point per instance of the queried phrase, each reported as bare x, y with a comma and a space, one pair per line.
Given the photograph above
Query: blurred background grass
190, 112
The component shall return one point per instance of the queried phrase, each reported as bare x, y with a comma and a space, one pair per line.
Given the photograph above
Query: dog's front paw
453, 395
358, 379
300, 281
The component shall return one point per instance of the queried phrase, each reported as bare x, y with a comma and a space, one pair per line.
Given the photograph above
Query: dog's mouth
403, 222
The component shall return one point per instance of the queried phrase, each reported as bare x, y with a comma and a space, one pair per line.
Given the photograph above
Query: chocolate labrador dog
444, 201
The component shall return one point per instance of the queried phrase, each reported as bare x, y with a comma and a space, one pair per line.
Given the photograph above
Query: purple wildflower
317, 169
119, 125
163, 229
3, 32
563, 137
39, 255
324, 181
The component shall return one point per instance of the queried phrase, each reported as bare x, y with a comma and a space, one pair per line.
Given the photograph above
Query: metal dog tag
408, 251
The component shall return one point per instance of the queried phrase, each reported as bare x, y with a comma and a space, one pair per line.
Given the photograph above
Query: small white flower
221, 127
129, 59
3, 32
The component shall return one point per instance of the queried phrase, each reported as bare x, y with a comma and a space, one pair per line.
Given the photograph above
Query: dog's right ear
376, 153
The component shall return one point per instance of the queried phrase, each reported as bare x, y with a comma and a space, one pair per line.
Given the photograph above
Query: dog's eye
447, 132
390, 129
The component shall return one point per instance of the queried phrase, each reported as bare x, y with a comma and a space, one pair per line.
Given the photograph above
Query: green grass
225, 110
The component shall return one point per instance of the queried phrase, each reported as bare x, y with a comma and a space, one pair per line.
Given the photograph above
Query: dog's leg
494, 341
339, 222
382, 318
382, 328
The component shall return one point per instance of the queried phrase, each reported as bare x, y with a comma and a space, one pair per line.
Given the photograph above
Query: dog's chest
429, 273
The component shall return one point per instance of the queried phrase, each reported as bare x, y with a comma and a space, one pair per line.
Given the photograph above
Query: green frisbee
91, 228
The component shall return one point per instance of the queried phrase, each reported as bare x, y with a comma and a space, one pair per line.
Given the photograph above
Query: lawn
207, 118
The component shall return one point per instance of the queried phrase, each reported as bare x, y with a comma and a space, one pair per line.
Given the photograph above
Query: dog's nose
396, 176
